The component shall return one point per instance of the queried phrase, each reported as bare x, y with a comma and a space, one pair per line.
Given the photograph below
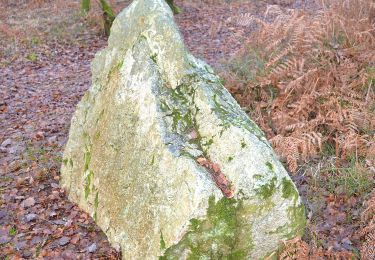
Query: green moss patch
297, 217
96, 204
296, 224
288, 189
162, 242
270, 166
224, 234
180, 111
88, 181
87, 159
268, 189
230, 114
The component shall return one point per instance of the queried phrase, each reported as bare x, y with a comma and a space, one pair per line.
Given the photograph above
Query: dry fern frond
368, 230
245, 19
295, 249
293, 149
273, 10
368, 247
369, 213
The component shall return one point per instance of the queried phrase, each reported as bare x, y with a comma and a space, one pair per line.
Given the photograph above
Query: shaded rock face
164, 159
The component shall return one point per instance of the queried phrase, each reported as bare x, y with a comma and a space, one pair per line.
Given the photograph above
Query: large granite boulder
165, 160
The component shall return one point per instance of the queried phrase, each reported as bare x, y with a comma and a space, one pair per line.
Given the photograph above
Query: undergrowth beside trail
309, 83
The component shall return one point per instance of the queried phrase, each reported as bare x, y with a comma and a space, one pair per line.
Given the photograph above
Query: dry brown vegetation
309, 82
312, 82
368, 229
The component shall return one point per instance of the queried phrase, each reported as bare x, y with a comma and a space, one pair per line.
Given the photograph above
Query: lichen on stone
270, 166
288, 189
268, 189
89, 175
179, 118
297, 220
96, 205
217, 235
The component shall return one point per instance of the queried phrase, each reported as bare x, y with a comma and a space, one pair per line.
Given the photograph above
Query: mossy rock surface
131, 157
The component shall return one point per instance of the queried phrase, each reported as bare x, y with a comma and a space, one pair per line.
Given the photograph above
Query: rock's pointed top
153, 21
